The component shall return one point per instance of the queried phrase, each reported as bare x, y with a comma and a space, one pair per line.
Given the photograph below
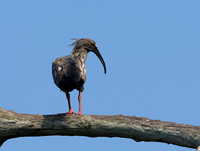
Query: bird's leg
69, 104
79, 99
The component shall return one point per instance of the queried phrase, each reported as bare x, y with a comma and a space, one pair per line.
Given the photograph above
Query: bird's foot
70, 112
80, 113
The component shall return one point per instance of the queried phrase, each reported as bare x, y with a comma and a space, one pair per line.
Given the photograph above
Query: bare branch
14, 125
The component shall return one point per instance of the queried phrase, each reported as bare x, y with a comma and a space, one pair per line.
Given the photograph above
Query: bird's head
89, 45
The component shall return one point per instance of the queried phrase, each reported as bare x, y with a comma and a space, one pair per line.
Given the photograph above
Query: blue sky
151, 49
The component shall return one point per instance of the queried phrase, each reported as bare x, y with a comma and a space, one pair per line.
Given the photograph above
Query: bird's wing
66, 68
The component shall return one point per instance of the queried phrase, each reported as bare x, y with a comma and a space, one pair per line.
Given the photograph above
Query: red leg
69, 104
79, 99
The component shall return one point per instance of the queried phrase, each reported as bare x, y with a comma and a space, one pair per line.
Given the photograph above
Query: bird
69, 72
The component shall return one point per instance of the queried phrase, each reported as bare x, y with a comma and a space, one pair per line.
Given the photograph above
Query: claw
71, 112
80, 113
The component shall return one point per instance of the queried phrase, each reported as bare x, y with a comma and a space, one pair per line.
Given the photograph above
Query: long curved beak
96, 51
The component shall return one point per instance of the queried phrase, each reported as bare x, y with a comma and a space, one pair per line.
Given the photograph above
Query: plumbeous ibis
69, 72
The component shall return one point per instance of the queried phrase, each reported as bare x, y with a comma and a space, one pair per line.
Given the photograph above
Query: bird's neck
81, 52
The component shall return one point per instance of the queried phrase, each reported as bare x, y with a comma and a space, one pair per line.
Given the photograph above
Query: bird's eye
94, 44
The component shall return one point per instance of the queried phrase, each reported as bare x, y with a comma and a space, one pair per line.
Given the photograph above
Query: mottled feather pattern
69, 73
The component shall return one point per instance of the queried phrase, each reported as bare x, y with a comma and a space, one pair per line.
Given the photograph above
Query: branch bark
14, 125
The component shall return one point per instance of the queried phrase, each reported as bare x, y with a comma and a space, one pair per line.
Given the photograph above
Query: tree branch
14, 125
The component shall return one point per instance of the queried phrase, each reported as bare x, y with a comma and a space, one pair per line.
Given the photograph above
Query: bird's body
69, 72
